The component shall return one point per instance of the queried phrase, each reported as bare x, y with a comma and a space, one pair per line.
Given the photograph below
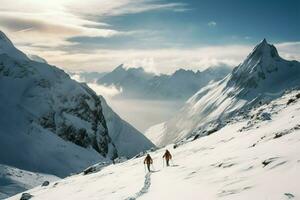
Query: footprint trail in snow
144, 189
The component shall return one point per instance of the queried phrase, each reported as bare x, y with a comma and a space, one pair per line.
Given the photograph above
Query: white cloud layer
289, 50
106, 91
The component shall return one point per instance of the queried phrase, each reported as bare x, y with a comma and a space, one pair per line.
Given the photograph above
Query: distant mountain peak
123, 68
263, 54
263, 64
264, 41
180, 71
120, 68
263, 50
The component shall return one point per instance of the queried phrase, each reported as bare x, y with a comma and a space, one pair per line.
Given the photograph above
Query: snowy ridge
263, 76
255, 156
7, 47
37, 58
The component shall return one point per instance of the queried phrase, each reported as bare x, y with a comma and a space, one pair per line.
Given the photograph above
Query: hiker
148, 160
168, 157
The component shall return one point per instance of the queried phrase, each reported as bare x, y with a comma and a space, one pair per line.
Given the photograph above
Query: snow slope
127, 140
13, 180
263, 76
255, 156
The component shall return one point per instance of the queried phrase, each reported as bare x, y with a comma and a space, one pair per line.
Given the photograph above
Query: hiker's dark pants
167, 162
148, 166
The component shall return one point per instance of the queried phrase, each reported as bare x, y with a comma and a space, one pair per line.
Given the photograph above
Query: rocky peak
263, 50
262, 66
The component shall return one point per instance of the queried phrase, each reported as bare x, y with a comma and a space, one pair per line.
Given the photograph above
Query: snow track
144, 189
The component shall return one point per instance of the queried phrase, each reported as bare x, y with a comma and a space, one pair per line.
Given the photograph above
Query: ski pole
145, 168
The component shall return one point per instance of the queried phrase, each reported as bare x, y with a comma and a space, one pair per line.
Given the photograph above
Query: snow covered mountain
263, 76
51, 123
250, 158
137, 83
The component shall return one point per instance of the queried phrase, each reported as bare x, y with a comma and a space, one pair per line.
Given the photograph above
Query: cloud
23, 24
212, 24
289, 50
51, 23
49, 30
105, 91
121, 7
154, 60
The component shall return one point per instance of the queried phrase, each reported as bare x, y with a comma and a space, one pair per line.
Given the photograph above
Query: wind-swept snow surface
13, 180
255, 156
263, 76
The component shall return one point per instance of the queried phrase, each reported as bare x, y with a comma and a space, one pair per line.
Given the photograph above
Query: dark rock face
46, 183
95, 168
87, 108
26, 196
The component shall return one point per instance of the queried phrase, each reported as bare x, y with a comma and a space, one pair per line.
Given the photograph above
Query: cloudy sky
160, 35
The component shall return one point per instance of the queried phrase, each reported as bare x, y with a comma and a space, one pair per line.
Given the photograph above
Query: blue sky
206, 22
160, 35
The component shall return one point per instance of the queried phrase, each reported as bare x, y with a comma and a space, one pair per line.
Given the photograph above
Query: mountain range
137, 83
260, 78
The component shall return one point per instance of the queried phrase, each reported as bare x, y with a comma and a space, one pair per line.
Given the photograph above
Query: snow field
233, 163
